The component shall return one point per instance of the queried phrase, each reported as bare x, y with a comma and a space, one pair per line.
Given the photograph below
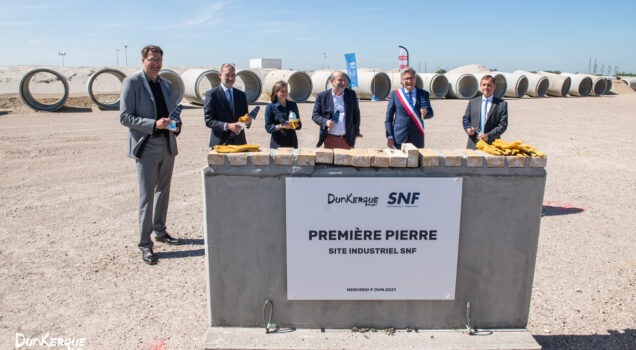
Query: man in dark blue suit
404, 122
341, 132
222, 107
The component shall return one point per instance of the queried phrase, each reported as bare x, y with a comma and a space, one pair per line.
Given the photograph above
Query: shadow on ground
615, 340
552, 210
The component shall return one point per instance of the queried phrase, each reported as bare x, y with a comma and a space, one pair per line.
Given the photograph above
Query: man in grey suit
486, 116
145, 105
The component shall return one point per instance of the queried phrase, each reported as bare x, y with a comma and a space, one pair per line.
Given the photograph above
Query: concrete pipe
517, 85
608, 88
599, 85
396, 80
559, 84
581, 84
178, 87
463, 85
320, 81
250, 83
111, 71
479, 71
436, 84
373, 83
29, 100
631, 81
299, 83
537, 84
196, 86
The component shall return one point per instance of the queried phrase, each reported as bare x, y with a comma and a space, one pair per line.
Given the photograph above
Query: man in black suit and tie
222, 107
341, 132
486, 116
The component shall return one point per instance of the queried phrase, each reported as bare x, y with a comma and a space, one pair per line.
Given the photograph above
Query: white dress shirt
338, 105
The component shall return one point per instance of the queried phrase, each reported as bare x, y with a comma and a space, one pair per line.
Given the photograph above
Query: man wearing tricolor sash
405, 114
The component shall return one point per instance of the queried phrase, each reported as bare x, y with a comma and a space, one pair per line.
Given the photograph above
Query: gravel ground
68, 198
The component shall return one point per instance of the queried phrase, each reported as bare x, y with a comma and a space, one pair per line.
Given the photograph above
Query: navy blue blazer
323, 110
276, 114
217, 113
399, 123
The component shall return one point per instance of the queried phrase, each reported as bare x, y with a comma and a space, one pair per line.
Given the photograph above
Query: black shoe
148, 256
169, 240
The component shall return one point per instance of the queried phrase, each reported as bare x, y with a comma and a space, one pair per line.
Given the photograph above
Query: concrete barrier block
451, 159
516, 162
216, 158
342, 156
397, 158
412, 154
324, 156
361, 158
283, 156
538, 162
239, 158
379, 158
473, 159
495, 161
306, 156
428, 157
259, 158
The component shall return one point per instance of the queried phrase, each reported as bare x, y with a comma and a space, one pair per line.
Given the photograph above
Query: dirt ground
68, 202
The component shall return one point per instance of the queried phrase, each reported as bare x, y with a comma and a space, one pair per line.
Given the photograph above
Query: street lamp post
126, 53
62, 54
117, 57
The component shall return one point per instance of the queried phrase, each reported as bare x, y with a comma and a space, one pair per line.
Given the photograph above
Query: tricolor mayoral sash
410, 109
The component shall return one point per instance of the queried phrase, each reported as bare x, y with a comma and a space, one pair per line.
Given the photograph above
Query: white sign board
372, 238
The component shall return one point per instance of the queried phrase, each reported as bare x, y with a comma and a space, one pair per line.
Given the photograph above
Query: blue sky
505, 35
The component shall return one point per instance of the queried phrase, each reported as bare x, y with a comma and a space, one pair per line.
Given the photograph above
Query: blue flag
352, 70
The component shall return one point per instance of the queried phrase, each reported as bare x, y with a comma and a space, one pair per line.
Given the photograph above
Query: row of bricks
408, 157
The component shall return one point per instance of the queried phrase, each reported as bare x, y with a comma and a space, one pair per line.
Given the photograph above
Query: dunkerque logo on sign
403, 199
367, 201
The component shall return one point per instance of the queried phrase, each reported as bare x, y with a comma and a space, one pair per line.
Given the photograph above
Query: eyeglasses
154, 59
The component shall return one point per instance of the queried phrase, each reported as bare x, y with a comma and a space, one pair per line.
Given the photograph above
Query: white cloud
207, 16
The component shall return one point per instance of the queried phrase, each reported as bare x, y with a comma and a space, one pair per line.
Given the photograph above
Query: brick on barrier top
397, 158
324, 156
216, 158
473, 159
342, 156
538, 162
306, 156
259, 158
379, 158
283, 156
412, 154
451, 158
361, 158
495, 161
428, 157
238, 158
516, 162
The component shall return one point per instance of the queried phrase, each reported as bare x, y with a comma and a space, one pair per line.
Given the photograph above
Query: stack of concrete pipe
537, 84
581, 84
479, 71
178, 87
559, 84
599, 86
436, 84
194, 79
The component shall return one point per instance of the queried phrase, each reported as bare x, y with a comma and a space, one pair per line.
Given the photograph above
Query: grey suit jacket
138, 111
496, 120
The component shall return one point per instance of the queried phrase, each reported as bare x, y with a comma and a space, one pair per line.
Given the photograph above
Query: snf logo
408, 198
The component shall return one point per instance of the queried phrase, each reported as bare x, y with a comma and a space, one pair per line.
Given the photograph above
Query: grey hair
333, 75
231, 65
407, 70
